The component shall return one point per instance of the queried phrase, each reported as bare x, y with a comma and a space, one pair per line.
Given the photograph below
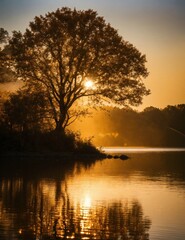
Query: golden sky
155, 27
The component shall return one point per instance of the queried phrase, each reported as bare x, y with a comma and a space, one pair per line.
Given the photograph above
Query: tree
25, 111
154, 117
3, 35
62, 50
175, 118
3, 40
6, 71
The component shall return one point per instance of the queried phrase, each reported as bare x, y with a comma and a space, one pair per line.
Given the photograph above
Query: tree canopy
25, 111
62, 50
3, 35
6, 71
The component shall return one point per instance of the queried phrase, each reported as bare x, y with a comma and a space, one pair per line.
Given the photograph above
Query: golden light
89, 84
87, 201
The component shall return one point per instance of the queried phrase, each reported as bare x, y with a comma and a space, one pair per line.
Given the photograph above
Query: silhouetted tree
25, 111
63, 49
175, 116
3, 35
153, 114
175, 119
6, 71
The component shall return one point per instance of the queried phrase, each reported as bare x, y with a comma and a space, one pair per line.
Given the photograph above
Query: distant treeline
126, 127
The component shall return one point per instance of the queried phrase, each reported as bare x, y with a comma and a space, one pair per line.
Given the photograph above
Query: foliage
63, 49
47, 141
6, 65
25, 110
3, 35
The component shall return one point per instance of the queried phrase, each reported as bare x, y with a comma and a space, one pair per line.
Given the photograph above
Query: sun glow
89, 84
87, 201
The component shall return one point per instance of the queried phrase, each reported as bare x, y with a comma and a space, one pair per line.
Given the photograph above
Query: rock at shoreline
122, 157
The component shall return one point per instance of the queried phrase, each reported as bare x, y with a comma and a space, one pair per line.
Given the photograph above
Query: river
139, 198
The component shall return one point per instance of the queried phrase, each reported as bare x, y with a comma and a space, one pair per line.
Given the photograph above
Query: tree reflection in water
43, 210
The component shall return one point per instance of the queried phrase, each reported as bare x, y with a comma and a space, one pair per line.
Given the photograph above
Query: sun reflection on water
87, 202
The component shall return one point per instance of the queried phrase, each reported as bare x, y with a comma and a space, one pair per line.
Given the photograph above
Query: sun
89, 84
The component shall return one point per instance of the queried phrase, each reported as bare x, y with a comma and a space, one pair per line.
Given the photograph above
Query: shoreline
73, 156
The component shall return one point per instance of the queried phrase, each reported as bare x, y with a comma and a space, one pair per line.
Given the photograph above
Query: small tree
25, 111
63, 50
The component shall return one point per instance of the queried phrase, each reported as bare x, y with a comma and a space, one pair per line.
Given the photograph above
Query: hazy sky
155, 27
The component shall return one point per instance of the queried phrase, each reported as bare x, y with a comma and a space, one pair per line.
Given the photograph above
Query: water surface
140, 198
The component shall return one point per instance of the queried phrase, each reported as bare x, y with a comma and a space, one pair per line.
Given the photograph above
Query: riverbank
72, 156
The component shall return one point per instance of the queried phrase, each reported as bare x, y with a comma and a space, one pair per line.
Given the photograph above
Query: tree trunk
60, 129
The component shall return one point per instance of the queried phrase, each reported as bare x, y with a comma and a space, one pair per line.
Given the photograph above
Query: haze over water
141, 149
140, 198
